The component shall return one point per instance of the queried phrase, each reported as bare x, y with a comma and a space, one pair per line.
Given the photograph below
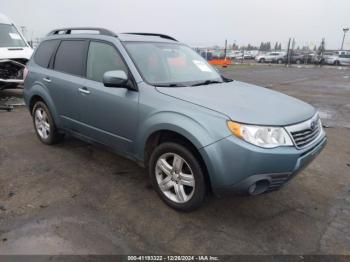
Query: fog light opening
258, 187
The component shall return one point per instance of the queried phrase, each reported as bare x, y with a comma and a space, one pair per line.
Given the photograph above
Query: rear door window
70, 57
102, 58
44, 53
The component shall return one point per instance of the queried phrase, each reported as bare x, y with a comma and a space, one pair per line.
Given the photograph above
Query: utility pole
345, 30
288, 47
225, 48
291, 52
322, 47
24, 30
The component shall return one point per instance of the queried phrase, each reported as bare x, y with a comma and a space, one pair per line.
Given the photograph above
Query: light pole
345, 30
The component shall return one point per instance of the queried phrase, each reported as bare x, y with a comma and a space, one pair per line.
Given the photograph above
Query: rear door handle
46, 79
84, 90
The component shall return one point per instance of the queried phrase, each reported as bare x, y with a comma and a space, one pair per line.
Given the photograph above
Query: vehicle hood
15, 52
245, 103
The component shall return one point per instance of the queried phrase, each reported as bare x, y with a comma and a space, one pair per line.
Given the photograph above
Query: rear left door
67, 79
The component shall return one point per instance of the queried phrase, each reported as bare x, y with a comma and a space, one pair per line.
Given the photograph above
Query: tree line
267, 47
264, 46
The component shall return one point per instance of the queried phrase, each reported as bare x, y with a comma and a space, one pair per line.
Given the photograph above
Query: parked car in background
338, 59
14, 54
271, 57
321, 58
299, 58
342, 52
250, 54
234, 54
156, 101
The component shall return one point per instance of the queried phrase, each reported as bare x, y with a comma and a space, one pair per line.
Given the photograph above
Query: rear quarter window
44, 53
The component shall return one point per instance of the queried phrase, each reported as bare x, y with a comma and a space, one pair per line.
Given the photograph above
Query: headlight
263, 136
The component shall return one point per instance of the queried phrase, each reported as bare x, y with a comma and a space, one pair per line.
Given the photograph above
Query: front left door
109, 114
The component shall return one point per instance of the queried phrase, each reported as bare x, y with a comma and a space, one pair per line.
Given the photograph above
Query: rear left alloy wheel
44, 125
177, 177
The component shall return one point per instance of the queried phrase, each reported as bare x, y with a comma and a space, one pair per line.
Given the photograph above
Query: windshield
9, 36
170, 64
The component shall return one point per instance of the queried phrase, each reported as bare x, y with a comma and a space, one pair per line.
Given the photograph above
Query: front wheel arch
163, 136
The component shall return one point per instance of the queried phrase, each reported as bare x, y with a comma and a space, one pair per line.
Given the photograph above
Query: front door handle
84, 90
46, 79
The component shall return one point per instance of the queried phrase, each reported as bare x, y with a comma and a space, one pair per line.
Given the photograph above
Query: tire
336, 63
44, 125
184, 193
298, 61
279, 61
262, 60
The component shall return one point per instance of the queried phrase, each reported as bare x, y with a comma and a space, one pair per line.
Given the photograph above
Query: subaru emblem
313, 125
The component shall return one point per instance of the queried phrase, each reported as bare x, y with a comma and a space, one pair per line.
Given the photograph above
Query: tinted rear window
44, 52
70, 57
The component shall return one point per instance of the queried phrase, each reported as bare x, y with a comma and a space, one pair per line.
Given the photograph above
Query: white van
14, 54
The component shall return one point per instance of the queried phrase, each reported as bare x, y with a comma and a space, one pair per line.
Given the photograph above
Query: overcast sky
196, 22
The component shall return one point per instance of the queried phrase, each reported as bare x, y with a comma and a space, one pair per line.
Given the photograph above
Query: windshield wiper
170, 85
207, 82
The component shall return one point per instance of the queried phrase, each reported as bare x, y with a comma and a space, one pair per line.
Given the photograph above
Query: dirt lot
75, 198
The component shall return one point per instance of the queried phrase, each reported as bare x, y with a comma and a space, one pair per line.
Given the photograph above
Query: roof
4, 19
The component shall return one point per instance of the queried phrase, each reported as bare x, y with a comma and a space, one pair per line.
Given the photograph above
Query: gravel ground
76, 198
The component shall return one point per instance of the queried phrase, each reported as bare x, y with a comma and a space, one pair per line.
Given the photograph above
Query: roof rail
68, 31
154, 34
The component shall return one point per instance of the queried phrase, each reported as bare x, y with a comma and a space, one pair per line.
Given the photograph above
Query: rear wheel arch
41, 95
34, 99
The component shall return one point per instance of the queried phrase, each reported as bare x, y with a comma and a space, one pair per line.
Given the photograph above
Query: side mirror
116, 78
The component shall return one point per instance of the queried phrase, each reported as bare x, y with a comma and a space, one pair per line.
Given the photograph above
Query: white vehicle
14, 54
251, 54
342, 52
272, 57
343, 59
234, 54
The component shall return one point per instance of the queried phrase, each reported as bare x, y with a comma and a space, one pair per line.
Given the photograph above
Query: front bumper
235, 165
11, 73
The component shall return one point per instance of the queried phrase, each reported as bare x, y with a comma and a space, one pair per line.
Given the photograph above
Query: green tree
268, 46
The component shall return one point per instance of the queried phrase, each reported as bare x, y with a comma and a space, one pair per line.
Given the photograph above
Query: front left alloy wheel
177, 176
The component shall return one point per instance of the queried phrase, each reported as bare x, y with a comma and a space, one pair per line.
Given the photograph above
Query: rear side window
70, 57
102, 58
44, 53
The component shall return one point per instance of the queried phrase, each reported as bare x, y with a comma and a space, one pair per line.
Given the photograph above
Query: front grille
306, 136
306, 132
